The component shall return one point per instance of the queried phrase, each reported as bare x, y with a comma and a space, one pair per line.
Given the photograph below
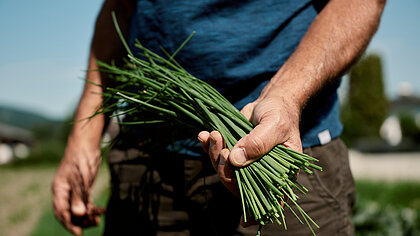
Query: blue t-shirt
237, 48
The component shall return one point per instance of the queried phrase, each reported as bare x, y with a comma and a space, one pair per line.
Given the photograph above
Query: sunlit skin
73, 180
337, 37
335, 40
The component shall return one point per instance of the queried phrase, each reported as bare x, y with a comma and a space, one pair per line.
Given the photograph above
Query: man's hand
275, 121
214, 145
71, 189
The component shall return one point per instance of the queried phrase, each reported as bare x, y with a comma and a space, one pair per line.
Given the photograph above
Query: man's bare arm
106, 46
78, 168
336, 38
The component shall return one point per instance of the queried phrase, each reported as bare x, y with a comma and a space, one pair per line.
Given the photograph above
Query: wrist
83, 145
78, 149
87, 131
284, 98
290, 87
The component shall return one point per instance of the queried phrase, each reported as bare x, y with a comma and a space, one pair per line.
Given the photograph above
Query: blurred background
43, 54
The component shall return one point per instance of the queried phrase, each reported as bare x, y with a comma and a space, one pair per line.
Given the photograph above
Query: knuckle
224, 153
214, 133
280, 124
257, 145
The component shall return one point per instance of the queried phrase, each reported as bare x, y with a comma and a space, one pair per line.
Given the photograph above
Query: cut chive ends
271, 180
152, 90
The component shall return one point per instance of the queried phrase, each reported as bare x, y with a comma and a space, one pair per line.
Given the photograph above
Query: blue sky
43, 52
398, 42
44, 48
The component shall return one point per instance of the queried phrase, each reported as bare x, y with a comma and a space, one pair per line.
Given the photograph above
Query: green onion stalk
166, 92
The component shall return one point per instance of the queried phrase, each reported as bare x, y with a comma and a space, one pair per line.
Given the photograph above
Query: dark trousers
330, 199
179, 195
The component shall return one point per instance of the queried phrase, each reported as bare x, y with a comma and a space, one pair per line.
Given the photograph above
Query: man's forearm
106, 46
336, 38
85, 130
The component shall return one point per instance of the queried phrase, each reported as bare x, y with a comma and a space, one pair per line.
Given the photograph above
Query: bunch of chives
168, 93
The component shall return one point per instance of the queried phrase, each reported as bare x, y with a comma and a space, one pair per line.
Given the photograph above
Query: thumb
255, 144
78, 207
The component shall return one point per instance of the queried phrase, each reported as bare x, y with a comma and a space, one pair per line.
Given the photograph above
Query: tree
367, 105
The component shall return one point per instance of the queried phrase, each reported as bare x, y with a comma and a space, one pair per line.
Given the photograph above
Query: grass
25, 200
397, 194
26, 204
387, 209
24, 194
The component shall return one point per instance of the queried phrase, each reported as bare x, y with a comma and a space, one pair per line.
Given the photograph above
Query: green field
25, 205
387, 209
382, 208
398, 194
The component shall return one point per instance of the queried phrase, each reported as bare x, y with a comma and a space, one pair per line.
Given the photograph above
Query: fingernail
238, 156
199, 137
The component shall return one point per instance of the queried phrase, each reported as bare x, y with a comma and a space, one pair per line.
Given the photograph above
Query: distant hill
23, 119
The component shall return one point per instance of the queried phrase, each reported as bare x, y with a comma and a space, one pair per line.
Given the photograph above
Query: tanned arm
335, 40
72, 183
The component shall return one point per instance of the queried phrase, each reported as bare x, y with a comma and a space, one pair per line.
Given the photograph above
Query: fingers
271, 129
226, 172
79, 193
78, 207
72, 204
204, 138
73, 228
84, 213
90, 218
212, 143
98, 211
216, 145
82, 176
61, 194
